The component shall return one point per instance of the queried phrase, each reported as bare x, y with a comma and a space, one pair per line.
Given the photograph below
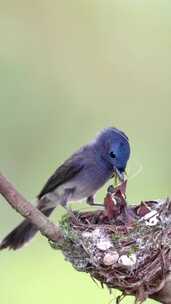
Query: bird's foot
91, 202
67, 207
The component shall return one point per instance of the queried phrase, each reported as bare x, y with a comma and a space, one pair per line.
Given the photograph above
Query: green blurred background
68, 69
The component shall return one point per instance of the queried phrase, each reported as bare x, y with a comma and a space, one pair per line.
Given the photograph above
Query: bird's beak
121, 175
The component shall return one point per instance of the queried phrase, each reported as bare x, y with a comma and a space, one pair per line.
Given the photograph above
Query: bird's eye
112, 155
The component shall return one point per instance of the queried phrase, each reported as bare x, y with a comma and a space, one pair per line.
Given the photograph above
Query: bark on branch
27, 210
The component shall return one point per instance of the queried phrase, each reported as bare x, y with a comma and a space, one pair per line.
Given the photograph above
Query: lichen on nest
122, 247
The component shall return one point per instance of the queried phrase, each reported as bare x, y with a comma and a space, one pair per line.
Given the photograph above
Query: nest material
122, 247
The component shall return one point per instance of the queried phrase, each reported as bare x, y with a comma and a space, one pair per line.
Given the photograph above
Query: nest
121, 246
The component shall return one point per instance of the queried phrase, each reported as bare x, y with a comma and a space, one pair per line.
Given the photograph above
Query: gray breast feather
85, 183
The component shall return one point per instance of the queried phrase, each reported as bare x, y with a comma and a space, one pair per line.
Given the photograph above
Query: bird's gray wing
63, 174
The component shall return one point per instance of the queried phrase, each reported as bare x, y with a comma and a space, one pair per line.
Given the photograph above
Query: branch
26, 209
54, 233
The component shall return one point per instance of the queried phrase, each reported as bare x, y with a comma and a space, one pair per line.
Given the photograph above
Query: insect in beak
121, 175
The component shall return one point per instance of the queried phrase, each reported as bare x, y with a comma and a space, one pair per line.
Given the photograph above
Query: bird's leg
90, 201
66, 198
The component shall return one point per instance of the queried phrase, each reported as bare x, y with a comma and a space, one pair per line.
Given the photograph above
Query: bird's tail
25, 231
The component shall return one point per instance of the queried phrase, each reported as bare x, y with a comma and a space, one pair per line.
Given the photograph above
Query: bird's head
115, 150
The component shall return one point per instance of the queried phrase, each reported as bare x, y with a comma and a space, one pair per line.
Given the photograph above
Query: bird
78, 178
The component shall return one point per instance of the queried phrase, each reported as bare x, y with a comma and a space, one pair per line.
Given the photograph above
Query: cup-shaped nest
122, 247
